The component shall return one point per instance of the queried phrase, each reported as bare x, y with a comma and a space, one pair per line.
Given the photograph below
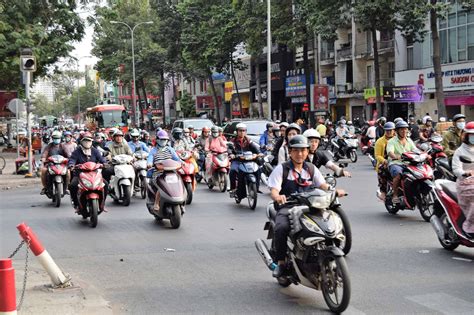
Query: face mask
162, 142
215, 134
86, 144
68, 139
460, 125
471, 139
56, 141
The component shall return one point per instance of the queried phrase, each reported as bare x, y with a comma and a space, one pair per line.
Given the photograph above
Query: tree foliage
50, 28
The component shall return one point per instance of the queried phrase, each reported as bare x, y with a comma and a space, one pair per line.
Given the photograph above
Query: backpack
309, 167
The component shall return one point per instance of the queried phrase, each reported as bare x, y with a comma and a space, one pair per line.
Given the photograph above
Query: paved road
396, 264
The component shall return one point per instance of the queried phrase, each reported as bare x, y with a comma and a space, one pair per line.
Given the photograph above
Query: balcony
351, 89
327, 57
345, 52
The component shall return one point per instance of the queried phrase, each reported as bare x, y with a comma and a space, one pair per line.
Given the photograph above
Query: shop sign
228, 87
455, 77
206, 102
295, 86
321, 97
405, 93
371, 93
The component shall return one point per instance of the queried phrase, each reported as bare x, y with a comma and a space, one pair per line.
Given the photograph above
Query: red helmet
206, 129
469, 128
86, 136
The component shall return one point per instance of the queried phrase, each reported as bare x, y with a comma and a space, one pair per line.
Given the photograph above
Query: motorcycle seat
444, 163
450, 189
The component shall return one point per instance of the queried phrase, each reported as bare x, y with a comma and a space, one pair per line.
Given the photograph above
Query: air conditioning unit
349, 86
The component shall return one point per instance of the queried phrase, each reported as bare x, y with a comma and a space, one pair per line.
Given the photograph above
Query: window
410, 58
370, 80
368, 35
391, 70
201, 86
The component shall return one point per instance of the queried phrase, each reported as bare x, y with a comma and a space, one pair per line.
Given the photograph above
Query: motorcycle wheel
198, 177
252, 195
389, 205
423, 205
93, 205
264, 179
127, 193
222, 182
335, 281
175, 218
189, 191
347, 244
143, 187
284, 281
447, 243
353, 156
57, 194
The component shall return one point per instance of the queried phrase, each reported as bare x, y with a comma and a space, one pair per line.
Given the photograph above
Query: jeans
282, 229
396, 169
234, 169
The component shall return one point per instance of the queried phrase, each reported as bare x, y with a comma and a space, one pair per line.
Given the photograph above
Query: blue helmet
401, 124
389, 126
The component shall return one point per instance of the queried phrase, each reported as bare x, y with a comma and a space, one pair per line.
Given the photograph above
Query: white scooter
140, 166
121, 184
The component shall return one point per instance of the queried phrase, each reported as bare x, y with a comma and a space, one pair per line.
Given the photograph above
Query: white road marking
443, 303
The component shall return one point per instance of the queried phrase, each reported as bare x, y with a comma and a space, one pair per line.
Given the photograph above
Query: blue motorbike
247, 178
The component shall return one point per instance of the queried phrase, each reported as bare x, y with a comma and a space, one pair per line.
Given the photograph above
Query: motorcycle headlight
310, 225
87, 183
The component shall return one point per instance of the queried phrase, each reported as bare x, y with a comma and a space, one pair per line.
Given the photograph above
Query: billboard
5, 98
321, 97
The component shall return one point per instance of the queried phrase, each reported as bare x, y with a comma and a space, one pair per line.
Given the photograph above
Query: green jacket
451, 141
116, 149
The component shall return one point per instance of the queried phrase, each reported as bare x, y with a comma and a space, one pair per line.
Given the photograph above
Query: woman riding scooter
465, 177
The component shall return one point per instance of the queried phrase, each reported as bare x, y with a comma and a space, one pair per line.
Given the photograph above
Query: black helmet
293, 126
458, 116
269, 125
177, 133
298, 141
401, 124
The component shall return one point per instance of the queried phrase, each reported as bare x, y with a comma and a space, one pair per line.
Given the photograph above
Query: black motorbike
314, 258
247, 177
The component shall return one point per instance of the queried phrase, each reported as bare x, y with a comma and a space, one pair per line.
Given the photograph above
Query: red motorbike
439, 160
91, 194
188, 172
57, 172
217, 172
448, 218
416, 186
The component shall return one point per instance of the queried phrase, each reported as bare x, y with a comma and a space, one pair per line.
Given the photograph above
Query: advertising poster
321, 98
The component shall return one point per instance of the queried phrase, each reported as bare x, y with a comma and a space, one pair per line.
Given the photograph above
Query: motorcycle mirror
465, 159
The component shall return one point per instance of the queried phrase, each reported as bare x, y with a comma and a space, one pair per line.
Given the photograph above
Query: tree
49, 27
188, 106
210, 33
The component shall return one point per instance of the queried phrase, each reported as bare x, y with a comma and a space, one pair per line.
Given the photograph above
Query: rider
193, 134
381, 157
452, 138
414, 129
395, 148
296, 175
68, 146
84, 152
135, 144
283, 154
54, 148
116, 147
161, 152
179, 142
215, 142
321, 158
267, 137
380, 131
188, 138
145, 138
465, 174
203, 137
279, 142
321, 127
241, 143
427, 129
350, 128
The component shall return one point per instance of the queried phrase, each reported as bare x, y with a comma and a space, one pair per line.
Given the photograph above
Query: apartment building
414, 65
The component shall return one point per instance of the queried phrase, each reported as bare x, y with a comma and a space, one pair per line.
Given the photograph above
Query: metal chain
25, 276
17, 249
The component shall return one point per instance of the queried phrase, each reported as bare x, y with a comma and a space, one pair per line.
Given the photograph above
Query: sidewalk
8, 179
41, 298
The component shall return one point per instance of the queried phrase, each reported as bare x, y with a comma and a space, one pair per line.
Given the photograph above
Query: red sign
206, 102
305, 107
156, 112
321, 97
5, 98
459, 100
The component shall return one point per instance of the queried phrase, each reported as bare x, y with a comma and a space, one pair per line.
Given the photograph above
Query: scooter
415, 186
267, 168
448, 218
217, 170
347, 149
140, 167
439, 160
172, 193
91, 194
247, 179
314, 259
187, 172
57, 171
369, 150
201, 174
121, 184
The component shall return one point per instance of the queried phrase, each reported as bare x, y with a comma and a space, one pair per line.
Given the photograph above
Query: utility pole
269, 60
28, 66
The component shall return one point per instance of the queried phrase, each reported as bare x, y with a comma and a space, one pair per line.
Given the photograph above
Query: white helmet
56, 134
241, 126
426, 119
312, 133
135, 133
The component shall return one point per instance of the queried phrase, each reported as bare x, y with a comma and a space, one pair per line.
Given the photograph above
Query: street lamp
78, 94
134, 110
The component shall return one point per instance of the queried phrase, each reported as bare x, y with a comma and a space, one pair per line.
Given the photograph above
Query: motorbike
439, 161
247, 173
122, 183
187, 172
201, 174
217, 172
91, 194
415, 187
448, 218
267, 168
172, 193
313, 256
347, 149
57, 172
369, 150
140, 167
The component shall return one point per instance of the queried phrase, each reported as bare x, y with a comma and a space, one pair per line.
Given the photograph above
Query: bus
107, 116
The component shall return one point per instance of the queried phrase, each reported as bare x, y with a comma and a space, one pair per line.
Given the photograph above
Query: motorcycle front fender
92, 196
142, 173
334, 251
251, 178
58, 179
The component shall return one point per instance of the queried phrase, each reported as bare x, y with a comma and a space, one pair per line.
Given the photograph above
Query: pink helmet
162, 135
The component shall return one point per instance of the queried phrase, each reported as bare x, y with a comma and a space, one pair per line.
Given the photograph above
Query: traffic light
28, 63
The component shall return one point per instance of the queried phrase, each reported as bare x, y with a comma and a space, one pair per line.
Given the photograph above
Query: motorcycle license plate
171, 179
